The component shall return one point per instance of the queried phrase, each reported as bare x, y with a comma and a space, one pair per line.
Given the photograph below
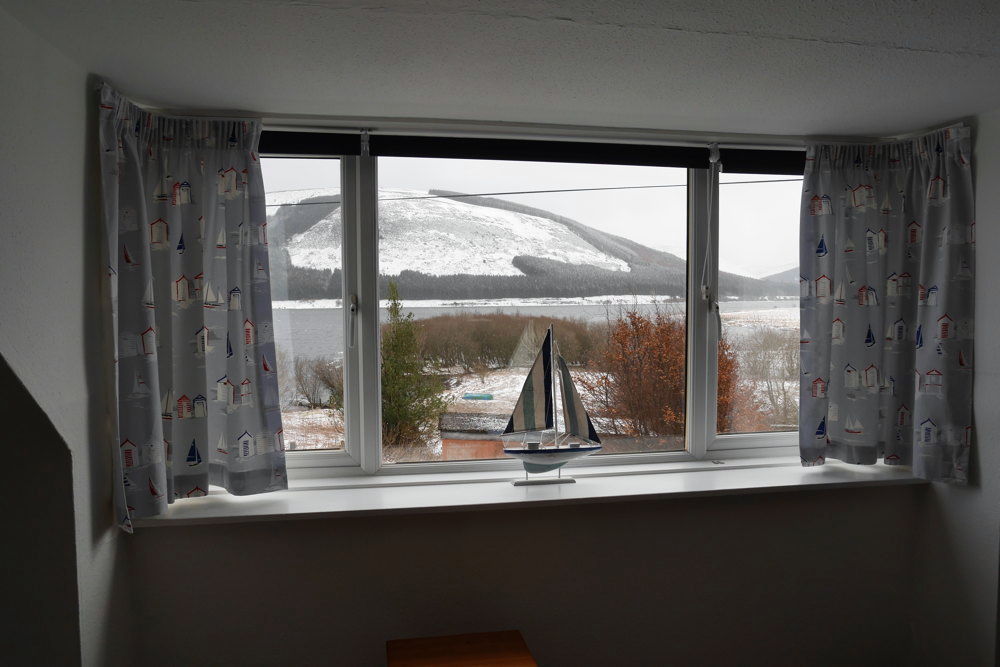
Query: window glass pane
304, 248
759, 302
477, 259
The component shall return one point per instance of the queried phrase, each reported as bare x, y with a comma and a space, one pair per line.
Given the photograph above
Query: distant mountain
453, 246
788, 276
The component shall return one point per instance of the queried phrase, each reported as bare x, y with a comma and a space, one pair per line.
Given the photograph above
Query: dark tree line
558, 280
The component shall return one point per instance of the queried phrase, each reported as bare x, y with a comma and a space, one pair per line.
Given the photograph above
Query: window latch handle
352, 323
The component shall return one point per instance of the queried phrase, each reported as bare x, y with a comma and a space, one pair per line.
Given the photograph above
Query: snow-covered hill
444, 237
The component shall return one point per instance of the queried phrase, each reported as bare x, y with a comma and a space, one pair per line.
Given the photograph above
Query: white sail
211, 297
524, 353
147, 298
853, 426
577, 421
535, 408
168, 404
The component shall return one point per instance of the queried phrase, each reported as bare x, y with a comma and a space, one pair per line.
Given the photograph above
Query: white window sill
451, 492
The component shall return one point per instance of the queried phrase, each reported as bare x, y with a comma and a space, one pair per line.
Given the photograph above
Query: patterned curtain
888, 236
186, 234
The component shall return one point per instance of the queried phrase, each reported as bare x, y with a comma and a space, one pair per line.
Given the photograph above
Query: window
454, 264
759, 304
304, 236
479, 258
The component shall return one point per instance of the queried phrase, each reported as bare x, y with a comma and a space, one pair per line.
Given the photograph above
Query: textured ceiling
768, 66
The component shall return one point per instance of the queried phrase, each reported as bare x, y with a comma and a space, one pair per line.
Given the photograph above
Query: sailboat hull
538, 461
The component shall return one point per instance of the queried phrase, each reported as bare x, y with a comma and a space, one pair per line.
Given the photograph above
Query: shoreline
603, 300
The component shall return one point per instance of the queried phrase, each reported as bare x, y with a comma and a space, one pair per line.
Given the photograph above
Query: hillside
474, 247
788, 276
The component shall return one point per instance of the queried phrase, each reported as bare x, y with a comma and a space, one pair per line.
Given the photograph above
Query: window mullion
349, 262
361, 327
701, 323
368, 333
713, 318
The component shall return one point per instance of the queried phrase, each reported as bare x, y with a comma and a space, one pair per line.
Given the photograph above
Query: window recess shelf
373, 495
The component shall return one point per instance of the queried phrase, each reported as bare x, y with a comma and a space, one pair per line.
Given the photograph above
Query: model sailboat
535, 416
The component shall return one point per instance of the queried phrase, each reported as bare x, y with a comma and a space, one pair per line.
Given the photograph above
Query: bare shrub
331, 376
287, 385
769, 361
307, 383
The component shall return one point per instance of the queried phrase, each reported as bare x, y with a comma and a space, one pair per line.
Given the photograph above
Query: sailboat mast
555, 412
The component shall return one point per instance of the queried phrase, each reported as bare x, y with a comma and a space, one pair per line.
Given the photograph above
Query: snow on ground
505, 384
774, 318
312, 428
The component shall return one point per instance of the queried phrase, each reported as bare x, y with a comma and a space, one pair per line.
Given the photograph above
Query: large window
758, 368
304, 248
412, 294
478, 259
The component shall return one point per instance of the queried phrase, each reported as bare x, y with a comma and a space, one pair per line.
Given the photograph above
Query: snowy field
784, 318
312, 429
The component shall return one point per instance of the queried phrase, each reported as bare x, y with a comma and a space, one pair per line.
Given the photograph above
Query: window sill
449, 492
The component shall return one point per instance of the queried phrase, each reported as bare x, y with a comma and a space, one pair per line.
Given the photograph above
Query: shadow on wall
39, 583
805, 578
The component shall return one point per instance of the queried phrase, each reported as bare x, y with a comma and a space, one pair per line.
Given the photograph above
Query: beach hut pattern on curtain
188, 307
892, 227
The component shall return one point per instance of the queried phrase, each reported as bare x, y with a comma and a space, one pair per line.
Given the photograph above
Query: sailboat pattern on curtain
192, 319
887, 261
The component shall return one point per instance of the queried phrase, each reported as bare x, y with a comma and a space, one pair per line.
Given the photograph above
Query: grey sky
758, 222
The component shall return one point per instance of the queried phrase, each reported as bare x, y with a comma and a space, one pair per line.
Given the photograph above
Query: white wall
49, 302
802, 578
959, 549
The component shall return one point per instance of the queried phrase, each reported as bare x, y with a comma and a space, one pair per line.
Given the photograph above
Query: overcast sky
758, 222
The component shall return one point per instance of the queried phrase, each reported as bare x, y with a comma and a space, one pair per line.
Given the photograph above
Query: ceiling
788, 67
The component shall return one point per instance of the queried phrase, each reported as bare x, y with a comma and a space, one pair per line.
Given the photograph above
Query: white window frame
362, 452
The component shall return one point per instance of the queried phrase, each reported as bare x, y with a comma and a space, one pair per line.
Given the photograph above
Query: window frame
362, 452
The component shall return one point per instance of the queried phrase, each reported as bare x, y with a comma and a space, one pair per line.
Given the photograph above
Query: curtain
887, 256
186, 237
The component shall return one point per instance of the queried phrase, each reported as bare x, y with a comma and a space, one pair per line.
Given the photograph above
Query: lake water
319, 332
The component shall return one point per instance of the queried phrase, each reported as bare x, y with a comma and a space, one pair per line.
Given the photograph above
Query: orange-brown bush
638, 386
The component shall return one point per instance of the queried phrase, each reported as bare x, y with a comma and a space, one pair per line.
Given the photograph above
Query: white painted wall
802, 578
959, 549
49, 302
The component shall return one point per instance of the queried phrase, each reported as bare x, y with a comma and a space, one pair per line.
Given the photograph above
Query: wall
39, 571
49, 329
778, 579
959, 548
